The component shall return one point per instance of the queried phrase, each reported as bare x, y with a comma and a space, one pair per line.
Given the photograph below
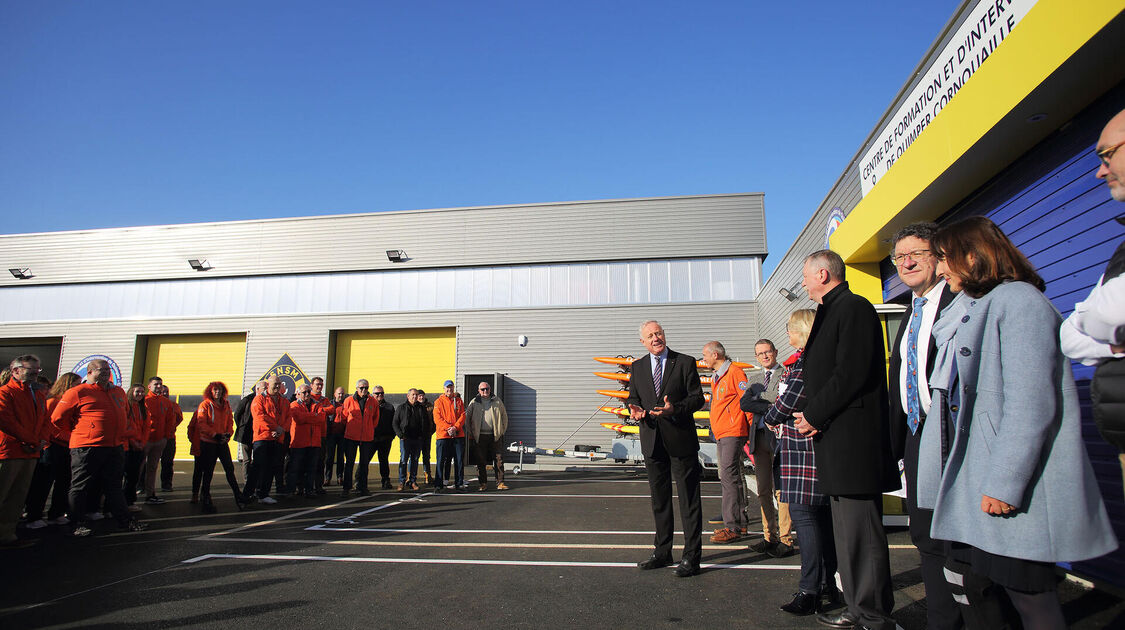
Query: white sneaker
94, 516
133, 508
267, 500
62, 520
39, 524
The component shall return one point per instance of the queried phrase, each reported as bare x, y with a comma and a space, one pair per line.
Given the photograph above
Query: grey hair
717, 348
27, 358
828, 260
641, 328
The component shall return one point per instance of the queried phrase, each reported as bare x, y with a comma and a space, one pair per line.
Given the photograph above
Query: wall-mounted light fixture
397, 255
789, 294
199, 264
22, 273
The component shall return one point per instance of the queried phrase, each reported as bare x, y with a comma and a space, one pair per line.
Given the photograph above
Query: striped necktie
913, 415
657, 375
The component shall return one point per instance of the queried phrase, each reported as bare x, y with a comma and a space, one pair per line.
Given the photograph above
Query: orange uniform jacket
136, 426
727, 420
270, 414
449, 413
213, 418
307, 424
95, 416
361, 424
159, 417
23, 417
57, 436
177, 417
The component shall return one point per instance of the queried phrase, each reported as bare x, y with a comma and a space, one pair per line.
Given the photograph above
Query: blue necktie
912, 402
657, 376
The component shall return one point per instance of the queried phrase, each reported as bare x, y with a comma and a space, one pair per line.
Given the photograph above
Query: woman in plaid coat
798, 484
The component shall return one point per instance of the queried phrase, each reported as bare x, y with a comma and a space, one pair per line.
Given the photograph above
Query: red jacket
270, 414
727, 419
23, 417
337, 422
361, 423
306, 424
160, 415
136, 425
177, 418
95, 416
449, 413
57, 436
213, 417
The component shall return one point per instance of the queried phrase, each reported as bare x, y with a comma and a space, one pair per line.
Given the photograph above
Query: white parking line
470, 561
477, 495
563, 532
498, 544
286, 517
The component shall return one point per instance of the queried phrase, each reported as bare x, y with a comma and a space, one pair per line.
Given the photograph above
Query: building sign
976, 38
291, 376
80, 368
835, 218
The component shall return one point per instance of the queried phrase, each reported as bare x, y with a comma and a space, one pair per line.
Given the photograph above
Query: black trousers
383, 450
209, 452
97, 468
167, 459
366, 452
863, 559
52, 470
662, 468
333, 455
133, 462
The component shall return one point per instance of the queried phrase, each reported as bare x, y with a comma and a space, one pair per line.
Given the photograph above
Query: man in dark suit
846, 413
664, 392
912, 357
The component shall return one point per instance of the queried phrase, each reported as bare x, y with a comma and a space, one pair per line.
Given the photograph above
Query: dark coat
846, 383
899, 430
385, 430
244, 422
681, 385
410, 421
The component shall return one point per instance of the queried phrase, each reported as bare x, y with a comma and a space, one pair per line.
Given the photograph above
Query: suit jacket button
965, 352
954, 408
964, 319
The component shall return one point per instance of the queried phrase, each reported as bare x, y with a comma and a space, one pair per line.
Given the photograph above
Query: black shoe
387, 484
362, 492
842, 621
716, 520
780, 550
830, 597
802, 604
763, 546
686, 569
654, 563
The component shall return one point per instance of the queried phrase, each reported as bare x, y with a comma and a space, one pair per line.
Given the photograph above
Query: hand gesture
802, 425
636, 413
664, 410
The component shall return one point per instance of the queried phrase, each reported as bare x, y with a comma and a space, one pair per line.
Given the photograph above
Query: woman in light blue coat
1008, 478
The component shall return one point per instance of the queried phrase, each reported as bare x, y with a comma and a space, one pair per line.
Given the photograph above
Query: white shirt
929, 316
663, 363
1089, 330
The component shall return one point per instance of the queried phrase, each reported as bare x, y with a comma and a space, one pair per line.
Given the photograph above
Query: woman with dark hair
1005, 470
136, 436
214, 424
798, 484
53, 467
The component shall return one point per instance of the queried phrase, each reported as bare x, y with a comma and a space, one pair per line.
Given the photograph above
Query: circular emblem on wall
835, 218
80, 368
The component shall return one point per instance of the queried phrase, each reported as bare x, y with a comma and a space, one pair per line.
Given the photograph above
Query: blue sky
130, 113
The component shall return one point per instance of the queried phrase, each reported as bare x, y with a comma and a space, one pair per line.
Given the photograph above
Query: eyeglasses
766, 353
377, 394
916, 255
37, 370
361, 389
484, 389
1106, 154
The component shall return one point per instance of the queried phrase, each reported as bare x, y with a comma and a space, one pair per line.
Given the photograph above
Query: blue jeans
818, 548
408, 450
450, 448
334, 454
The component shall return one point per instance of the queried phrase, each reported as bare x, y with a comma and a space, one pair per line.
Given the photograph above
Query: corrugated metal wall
500, 235
1062, 217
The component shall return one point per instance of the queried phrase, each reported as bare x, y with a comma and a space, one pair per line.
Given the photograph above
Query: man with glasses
334, 439
384, 435
486, 420
361, 414
23, 416
912, 356
449, 423
410, 427
776, 524
271, 417
1095, 332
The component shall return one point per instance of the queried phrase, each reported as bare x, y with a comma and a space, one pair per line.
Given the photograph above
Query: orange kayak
617, 393
624, 378
634, 429
629, 361
624, 412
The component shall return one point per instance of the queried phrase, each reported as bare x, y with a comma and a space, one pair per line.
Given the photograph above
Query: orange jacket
727, 420
23, 414
306, 424
449, 413
337, 422
177, 418
95, 416
136, 425
361, 423
270, 414
56, 436
160, 415
213, 417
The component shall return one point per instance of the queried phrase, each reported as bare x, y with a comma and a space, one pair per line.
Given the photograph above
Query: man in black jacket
912, 357
664, 393
410, 427
846, 413
244, 432
384, 435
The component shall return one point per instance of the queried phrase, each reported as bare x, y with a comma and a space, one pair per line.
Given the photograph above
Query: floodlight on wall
397, 255
199, 264
22, 273
789, 294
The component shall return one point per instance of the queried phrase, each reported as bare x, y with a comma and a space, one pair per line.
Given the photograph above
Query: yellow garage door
397, 359
187, 363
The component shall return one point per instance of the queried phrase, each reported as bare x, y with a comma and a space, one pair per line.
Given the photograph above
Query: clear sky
140, 113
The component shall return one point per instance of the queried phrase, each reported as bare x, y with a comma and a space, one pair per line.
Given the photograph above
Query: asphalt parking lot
558, 550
